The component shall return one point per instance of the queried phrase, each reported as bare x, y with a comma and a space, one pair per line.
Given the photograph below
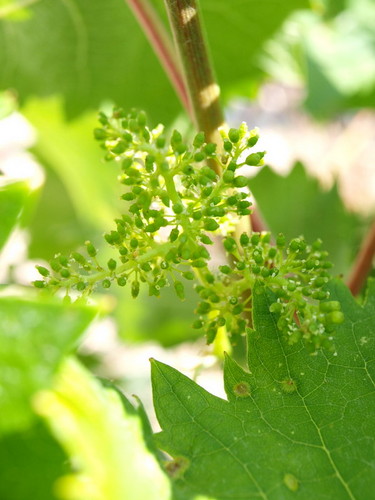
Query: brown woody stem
363, 263
201, 85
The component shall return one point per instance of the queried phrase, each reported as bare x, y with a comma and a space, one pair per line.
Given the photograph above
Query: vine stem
363, 263
160, 41
205, 119
202, 89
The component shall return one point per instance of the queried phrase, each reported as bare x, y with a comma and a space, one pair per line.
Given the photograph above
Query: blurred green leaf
35, 336
329, 52
297, 205
30, 463
163, 319
295, 426
70, 149
90, 51
13, 196
104, 437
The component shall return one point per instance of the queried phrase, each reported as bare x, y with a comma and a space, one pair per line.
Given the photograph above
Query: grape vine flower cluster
174, 203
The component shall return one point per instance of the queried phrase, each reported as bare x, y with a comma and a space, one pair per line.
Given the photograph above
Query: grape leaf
13, 196
101, 431
304, 208
296, 426
35, 335
90, 51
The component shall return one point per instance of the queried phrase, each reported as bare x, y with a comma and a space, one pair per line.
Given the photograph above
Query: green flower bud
199, 140
225, 269
151, 228
200, 156
179, 289
221, 321
210, 148
121, 281
91, 250
241, 181
120, 148
280, 241
252, 141
65, 273
237, 309
335, 317
177, 208
227, 146
100, 134
134, 243
229, 244
203, 307
234, 135
228, 176
244, 239
39, 284
276, 307
43, 271
255, 238
188, 275
106, 283
266, 237
210, 225
180, 148
253, 159
272, 253
197, 324
199, 263
128, 196
111, 264
64, 261
135, 289
79, 258
265, 272
206, 240
206, 192
210, 335
55, 265
332, 305
210, 278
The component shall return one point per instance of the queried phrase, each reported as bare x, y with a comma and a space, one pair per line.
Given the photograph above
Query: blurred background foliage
62, 60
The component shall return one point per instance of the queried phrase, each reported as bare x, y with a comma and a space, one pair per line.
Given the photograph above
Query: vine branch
201, 85
363, 263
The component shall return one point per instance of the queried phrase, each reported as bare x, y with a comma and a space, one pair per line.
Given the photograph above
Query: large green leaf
90, 51
297, 205
103, 435
296, 426
13, 196
35, 335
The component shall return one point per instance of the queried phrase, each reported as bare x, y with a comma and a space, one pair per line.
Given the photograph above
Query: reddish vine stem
160, 41
363, 263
